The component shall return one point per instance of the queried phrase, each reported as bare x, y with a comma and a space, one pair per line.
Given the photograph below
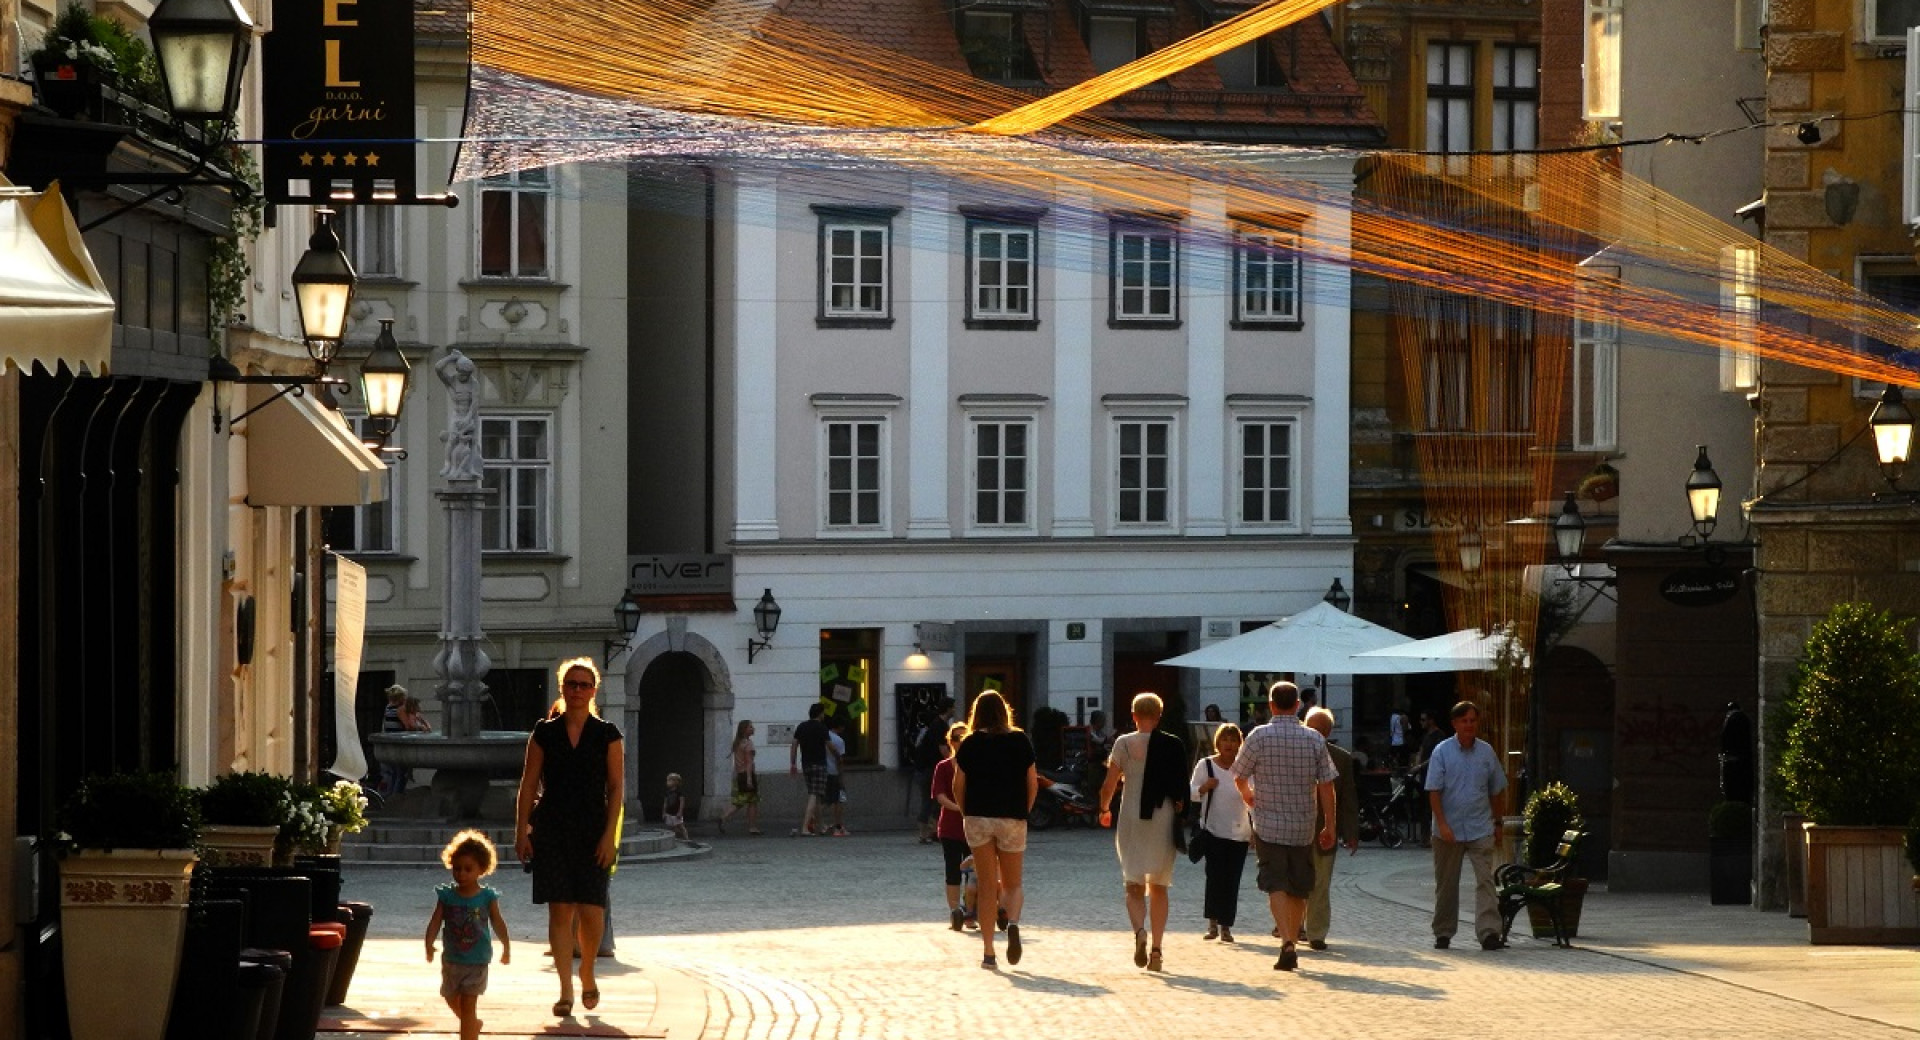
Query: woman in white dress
1149, 766
1224, 815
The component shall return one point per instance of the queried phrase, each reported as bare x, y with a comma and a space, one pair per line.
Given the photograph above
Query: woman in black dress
567, 824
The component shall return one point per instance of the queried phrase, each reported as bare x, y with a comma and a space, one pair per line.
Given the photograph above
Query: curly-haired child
466, 908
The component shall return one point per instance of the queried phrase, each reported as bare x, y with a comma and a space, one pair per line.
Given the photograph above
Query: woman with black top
567, 824
995, 782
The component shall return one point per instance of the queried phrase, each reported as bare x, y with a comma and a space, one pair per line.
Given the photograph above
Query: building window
1144, 278
1143, 472
372, 239
1113, 42
1266, 276
1002, 473
1601, 78
855, 454
855, 262
1892, 18
1740, 300
1449, 97
517, 452
1516, 98
995, 46
1893, 281
369, 528
1476, 365
1001, 269
849, 685
1249, 66
1596, 359
1267, 476
515, 218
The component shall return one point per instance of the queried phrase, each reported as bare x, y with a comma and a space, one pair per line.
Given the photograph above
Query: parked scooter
1060, 801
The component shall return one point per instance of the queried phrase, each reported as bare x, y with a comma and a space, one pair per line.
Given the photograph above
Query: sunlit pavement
776, 937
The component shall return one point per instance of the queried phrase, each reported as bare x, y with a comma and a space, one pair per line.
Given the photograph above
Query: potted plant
125, 866
346, 811
1730, 854
1551, 811
1852, 721
83, 52
244, 813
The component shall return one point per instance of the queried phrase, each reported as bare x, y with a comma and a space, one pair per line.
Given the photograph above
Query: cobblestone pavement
782, 938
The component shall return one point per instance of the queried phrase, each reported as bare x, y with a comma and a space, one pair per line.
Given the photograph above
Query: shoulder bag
1200, 838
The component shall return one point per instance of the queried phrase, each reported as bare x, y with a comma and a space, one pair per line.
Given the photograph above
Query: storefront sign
679, 574
1699, 586
339, 101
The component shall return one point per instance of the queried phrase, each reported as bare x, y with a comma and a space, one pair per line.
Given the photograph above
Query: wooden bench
1520, 886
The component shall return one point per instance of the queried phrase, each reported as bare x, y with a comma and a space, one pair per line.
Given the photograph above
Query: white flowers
346, 806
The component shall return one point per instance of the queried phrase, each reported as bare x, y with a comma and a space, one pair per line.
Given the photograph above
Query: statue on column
463, 416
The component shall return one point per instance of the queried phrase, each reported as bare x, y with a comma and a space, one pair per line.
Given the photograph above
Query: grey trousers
1446, 887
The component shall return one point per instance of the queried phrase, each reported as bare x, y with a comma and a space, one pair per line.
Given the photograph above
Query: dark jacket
1166, 774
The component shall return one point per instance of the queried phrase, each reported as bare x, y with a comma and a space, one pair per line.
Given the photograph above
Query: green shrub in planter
1852, 722
132, 811
1551, 811
248, 799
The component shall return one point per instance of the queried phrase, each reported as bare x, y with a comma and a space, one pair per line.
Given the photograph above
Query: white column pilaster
755, 215
929, 230
1073, 323
1329, 290
1205, 458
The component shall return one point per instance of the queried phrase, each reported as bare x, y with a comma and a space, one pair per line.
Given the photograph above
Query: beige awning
54, 307
301, 453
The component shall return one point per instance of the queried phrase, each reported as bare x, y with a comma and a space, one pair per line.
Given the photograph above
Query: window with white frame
1890, 19
1268, 471
1145, 271
855, 262
1516, 98
1001, 270
1596, 358
1449, 97
1266, 275
1740, 311
515, 224
372, 239
516, 452
1143, 472
369, 528
1002, 473
1601, 77
854, 454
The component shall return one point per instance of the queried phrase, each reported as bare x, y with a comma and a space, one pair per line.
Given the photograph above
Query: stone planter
239, 845
1854, 890
1730, 871
123, 918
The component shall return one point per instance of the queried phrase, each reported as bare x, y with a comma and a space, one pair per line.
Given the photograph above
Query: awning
54, 307
301, 453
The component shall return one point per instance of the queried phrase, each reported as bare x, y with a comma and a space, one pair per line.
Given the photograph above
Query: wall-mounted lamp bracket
295, 385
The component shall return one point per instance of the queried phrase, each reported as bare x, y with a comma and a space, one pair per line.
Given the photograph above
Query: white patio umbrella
1322, 639
1468, 650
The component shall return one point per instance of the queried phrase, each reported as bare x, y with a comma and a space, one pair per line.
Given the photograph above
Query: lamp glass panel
197, 64
1470, 556
1893, 442
384, 392
323, 308
1704, 502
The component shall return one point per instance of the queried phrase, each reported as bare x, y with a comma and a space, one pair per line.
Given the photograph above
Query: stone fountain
464, 758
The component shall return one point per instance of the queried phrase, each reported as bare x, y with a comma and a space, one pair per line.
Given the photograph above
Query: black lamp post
1703, 495
627, 614
1892, 424
1337, 595
323, 283
766, 619
383, 386
1569, 534
201, 49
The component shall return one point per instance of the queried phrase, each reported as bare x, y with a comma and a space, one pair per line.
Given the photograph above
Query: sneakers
959, 919
989, 963
1013, 943
838, 832
1226, 934
1289, 959
1440, 941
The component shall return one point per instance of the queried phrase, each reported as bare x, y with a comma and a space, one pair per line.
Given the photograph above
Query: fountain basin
463, 766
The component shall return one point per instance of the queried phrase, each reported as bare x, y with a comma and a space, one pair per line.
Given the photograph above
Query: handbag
1200, 838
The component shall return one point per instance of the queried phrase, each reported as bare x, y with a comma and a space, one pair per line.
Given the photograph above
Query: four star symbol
348, 159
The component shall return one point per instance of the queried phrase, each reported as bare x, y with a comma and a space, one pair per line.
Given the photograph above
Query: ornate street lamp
1703, 494
383, 385
201, 49
1569, 534
323, 283
1892, 424
766, 619
1338, 596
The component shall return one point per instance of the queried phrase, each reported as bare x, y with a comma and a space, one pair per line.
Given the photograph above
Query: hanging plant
229, 267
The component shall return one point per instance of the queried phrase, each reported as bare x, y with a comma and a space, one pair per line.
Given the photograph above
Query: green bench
1520, 886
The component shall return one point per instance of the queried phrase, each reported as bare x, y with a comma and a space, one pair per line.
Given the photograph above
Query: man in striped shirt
1285, 773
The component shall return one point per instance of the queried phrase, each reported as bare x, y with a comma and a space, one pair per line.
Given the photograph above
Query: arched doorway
669, 731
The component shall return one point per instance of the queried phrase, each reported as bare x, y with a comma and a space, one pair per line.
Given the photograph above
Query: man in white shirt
1464, 783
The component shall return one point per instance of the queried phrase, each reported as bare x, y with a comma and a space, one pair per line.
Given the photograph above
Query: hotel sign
339, 101
1699, 587
679, 574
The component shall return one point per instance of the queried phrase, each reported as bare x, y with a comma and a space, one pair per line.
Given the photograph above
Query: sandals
563, 1008
1153, 960
590, 998
1013, 943
1213, 931
1139, 947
